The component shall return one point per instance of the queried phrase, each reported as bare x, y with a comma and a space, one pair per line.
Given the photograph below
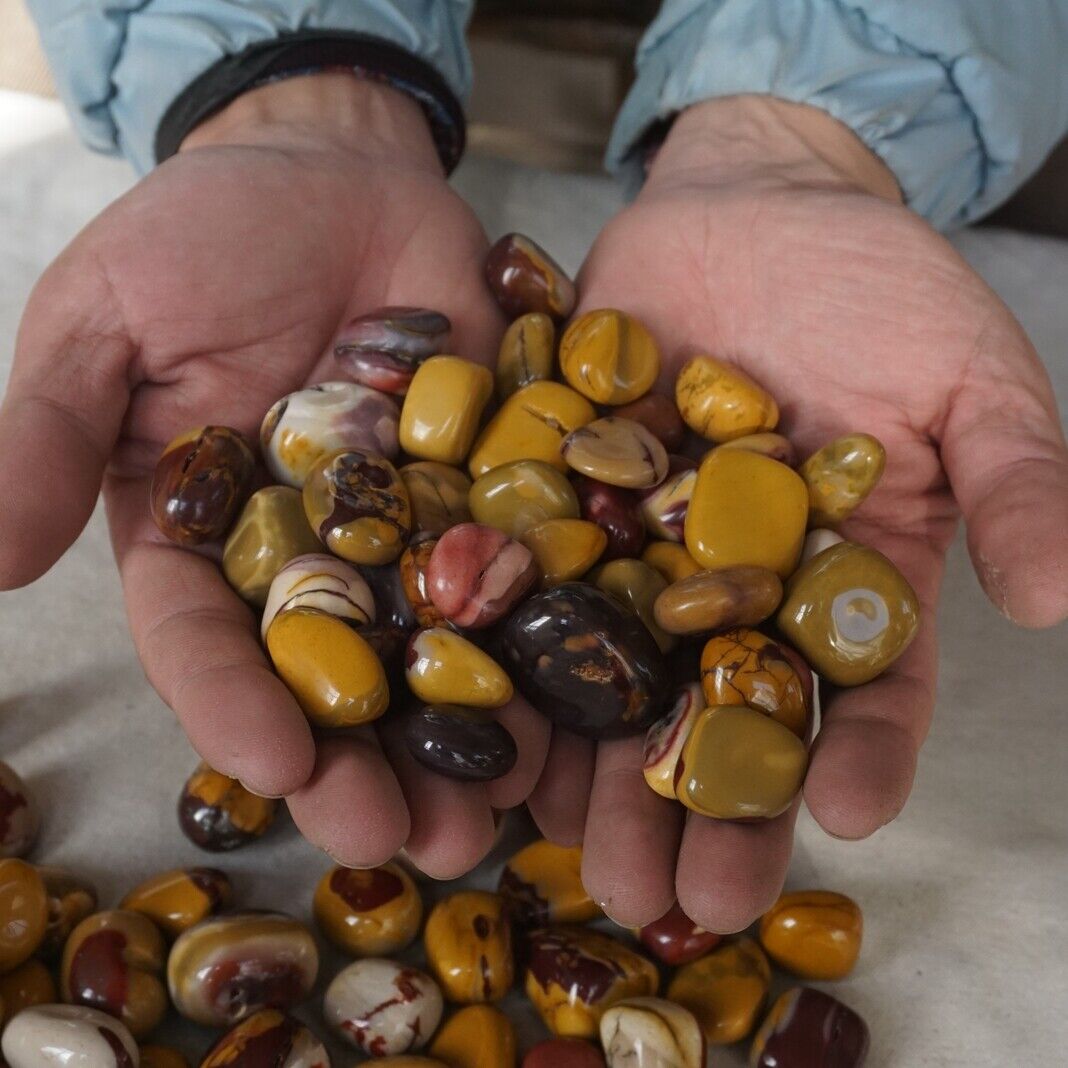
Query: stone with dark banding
179, 899
807, 1028
383, 348
664, 506
615, 510
368, 911
322, 581
267, 1039
413, 565
460, 743
218, 814
667, 736
617, 451
468, 940
527, 354
525, 278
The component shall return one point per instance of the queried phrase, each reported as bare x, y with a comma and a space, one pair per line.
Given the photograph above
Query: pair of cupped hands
765, 234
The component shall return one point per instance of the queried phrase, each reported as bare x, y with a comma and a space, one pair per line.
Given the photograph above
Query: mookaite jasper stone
564, 549
667, 736
815, 934
615, 510
721, 402
774, 446
333, 673
438, 495
442, 410
651, 1033
738, 763
460, 743
542, 883
478, 1036
810, 1029
664, 505
521, 494
19, 816
323, 582
271, 530
563, 1053
218, 814
75, 1037
201, 481
724, 989
70, 899
29, 984
414, 565
468, 939
525, 278
636, 585
443, 668
712, 600
675, 939
617, 451
23, 912
609, 357
268, 1037
366, 912
673, 561
527, 354
357, 504
840, 476
574, 975
581, 659
659, 415
850, 613
180, 899
746, 510
383, 348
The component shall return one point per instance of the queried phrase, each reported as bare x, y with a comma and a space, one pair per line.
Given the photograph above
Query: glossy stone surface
442, 668
725, 990
231, 966
29, 984
746, 510
303, 427
70, 899
585, 662
818, 539
738, 763
358, 505
460, 743
524, 278
850, 613
179, 899
527, 354
113, 961
392, 607
71, 1036
615, 510
414, 566
609, 356
335, 675
617, 451
218, 814
443, 408
664, 505
438, 495
468, 941
267, 1039
840, 476
382, 1007
530, 425
637, 585
20, 818
769, 444
713, 600
477, 574
651, 1033
675, 939
563, 1053
271, 530
574, 974
154, 1056
23, 912
542, 884
810, 1029
478, 1036
816, 934
383, 348
673, 561
366, 912
564, 549
323, 582
721, 402
200, 484
667, 736
659, 415
521, 494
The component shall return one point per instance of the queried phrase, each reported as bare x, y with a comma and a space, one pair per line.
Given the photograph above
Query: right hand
214, 287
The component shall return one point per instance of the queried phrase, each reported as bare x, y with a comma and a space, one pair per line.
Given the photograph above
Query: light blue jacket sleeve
963, 99
119, 64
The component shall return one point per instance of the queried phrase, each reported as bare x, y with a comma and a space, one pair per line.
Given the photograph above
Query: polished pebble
769, 444
414, 568
477, 575
524, 278
521, 494
815, 934
675, 939
443, 668
664, 505
585, 662
609, 356
660, 416
850, 613
666, 737
810, 1029
271, 530
746, 510
840, 476
153, 1056
323, 582
200, 484
673, 561
231, 966
542, 884
615, 510
714, 600
382, 1007
391, 604
721, 402
478, 1036
637, 585
70, 899
67, 1036
563, 1053
443, 408
438, 496
818, 539
334, 674
468, 941
370, 911
218, 814
267, 1039
738, 763
383, 348
23, 912
617, 451
113, 961
527, 354
179, 899
20, 818
564, 549
649, 1032
29, 984
460, 743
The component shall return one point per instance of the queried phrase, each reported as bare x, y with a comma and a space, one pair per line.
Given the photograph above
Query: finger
632, 838
561, 798
531, 732
352, 807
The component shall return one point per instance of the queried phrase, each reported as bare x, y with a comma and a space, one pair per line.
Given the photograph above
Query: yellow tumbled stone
478, 1036
564, 549
609, 357
443, 407
672, 560
445, 668
840, 476
721, 402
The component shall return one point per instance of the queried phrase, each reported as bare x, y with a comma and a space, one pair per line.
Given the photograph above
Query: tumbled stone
609, 356
721, 402
636, 585
217, 814
667, 736
521, 494
527, 354
664, 505
468, 940
659, 415
368, 912
769, 444
414, 566
815, 934
675, 939
810, 1029
524, 278
673, 561
615, 510
617, 451
478, 1036
383, 348
649, 1032
713, 600
442, 668
323, 582
438, 495
443, 407
840, 476
564, 549
542, 883
267, 1037
460, 743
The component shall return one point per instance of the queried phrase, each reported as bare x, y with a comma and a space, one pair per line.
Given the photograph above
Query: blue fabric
963, 99
118, 64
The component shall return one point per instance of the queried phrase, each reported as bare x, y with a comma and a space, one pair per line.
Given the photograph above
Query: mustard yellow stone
815, 934
468, 941
564, 549
746, 510
179, 899
609, 356
519, 495
767, 444
543, 884
444, 668
443, 407
840, 476
530, 425
478, 1036
721, 402
527, 353
637, 584
331, 670
368, 912
673, 561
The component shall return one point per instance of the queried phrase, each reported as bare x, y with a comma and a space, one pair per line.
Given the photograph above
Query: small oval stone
267, 1038
73, 1036
840, 476
519, 495
712, 600
769, 444
615, 510
70, 899
617, 451
542, 883
29, 984
664, 506
721, 402
442, 668
468, 940
414, 566
323, 582
460, 743
667, 736
441, 413
478, 1036
20, 818
651, 1033
636, 585
609, 356
524, 278
675, 939
179, 899
815, 934
564, 549
200, 484
673, 561
810, 1029
368, 911
438, 495
563, 1053
383, 348
218, 814
527, 354
23, 912
659, 415
818, 539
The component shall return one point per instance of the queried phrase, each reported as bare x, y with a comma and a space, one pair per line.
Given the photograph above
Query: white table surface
965, 896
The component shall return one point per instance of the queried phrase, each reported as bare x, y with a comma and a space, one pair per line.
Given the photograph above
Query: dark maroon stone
460, 743
676, 939
807, 1028
525, 278
615, 510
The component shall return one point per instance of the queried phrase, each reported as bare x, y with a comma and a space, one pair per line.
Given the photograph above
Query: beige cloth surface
965, 896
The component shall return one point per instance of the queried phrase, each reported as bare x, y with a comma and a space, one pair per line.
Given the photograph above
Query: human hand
213, 288
767, 234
